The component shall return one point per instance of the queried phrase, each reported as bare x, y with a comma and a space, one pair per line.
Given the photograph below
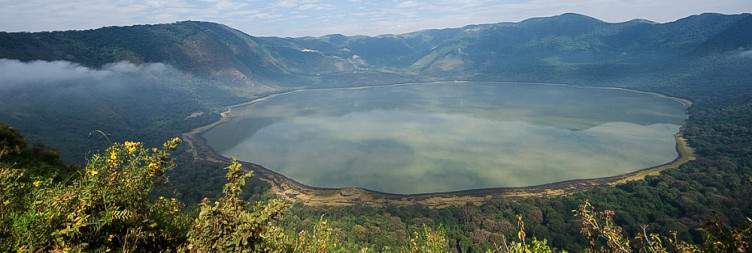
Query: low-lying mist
62, 103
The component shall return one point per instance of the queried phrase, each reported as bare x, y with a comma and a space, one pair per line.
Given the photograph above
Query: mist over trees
140, 101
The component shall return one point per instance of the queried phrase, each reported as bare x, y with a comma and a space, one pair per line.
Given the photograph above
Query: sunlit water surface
452, 136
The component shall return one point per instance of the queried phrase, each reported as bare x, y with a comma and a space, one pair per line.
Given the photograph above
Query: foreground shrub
109, 206
227, 226
106, 206
428, 240
604, 235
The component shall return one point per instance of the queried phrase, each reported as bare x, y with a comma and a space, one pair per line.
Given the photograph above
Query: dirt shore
292, 190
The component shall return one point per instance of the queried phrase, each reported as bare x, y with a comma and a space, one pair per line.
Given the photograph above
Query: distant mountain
197, 47
558, 48
545, 47
735, 37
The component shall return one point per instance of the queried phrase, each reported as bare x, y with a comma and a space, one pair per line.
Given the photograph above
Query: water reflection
446, 137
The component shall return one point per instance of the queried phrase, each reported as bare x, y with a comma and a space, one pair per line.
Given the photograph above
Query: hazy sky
350, 17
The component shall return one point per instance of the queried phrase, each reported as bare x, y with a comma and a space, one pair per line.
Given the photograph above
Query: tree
226, 225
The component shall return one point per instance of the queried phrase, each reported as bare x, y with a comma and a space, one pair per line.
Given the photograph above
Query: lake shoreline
293, 190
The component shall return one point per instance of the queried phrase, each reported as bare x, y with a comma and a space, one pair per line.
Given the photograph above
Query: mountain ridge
556, 46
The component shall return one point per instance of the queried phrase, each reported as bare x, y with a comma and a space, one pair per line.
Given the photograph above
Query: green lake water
452, 136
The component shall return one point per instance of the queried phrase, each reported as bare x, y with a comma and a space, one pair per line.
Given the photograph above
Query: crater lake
450, 136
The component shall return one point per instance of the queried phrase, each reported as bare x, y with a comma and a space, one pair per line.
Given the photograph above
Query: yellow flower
93, 172
131, 146
114, 156
109, 238
153, 167
172, 143
37, 183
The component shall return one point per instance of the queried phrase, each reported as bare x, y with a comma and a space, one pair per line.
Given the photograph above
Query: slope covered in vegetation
108, 205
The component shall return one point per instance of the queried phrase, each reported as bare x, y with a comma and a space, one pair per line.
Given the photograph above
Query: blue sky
350, 17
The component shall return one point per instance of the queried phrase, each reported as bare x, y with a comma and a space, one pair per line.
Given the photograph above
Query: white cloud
319, 17
14, 73
747, 54
408, 4
295, 3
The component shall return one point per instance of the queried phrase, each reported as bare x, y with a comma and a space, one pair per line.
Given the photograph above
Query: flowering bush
106, 206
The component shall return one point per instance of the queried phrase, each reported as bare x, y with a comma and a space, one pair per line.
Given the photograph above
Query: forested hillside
196, 47
109, 205
79, 110
565, 48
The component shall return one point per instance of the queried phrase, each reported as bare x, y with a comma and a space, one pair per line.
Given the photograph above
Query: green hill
559, 47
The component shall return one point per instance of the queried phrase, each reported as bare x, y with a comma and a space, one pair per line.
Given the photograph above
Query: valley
650, 122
